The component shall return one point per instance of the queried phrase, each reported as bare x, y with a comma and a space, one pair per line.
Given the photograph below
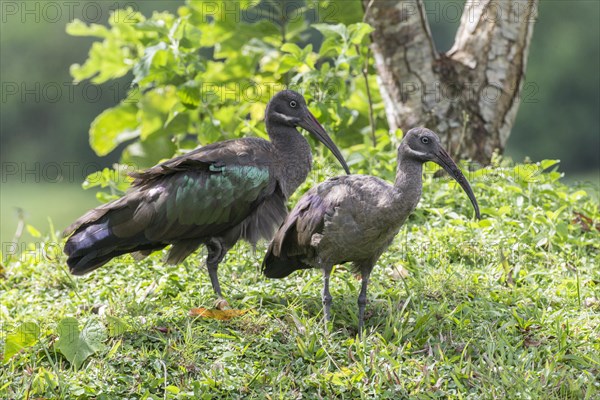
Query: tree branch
401, 33
480, 78
493, 40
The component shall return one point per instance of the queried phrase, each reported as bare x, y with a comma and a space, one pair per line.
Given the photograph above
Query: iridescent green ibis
354, 218
214, 195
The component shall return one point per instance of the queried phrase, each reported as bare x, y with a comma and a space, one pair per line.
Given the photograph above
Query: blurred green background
44, 119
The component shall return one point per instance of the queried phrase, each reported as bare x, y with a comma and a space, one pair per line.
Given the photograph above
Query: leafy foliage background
559, 121
206, 74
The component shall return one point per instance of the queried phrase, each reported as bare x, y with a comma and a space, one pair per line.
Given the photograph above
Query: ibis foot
222, 304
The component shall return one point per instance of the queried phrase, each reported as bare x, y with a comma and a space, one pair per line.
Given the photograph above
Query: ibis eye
293, 103
425, 140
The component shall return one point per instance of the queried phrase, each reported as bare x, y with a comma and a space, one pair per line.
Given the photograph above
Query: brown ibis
354, 218
214, 195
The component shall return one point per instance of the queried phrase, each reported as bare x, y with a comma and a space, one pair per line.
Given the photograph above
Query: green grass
504, 308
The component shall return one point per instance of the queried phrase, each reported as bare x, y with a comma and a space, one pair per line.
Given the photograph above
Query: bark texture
469, 95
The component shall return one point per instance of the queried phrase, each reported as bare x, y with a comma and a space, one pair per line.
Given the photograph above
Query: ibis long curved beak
313, 126
445, 161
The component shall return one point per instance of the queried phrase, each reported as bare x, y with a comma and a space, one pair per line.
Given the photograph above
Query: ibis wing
305, 219
188, 200
245, 151
204, 175
293, 242
199, 203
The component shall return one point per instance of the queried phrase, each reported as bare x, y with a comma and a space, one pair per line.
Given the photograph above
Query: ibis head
288, 108
424, 145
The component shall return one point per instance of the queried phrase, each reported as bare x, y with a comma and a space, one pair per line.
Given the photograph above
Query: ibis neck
294, 155
409, 179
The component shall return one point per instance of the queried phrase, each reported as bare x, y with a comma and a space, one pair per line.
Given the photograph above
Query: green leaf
329, 30
293, 49
112, 127
172, 389
147, 153
528, 173
106, 60
155, 106
80, 28
116, 326
189, 94
77, 345
104, 197
217, 34
191, 36
153, 25
114, 349
548, 163
157, 65
26, 335
485, 223
142, 69
562, 228
578, 195
358, 31
553, 215
288, 62
330, 45
116, 178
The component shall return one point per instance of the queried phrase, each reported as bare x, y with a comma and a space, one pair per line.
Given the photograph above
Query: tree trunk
469, 95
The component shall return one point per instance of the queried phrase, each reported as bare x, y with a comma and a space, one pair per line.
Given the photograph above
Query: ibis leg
326, 295
362, 302
216, 253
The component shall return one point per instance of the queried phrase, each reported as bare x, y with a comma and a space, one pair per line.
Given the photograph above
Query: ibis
213, 196
355, 218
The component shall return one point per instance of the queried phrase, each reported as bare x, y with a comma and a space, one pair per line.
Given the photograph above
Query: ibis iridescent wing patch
221, 195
